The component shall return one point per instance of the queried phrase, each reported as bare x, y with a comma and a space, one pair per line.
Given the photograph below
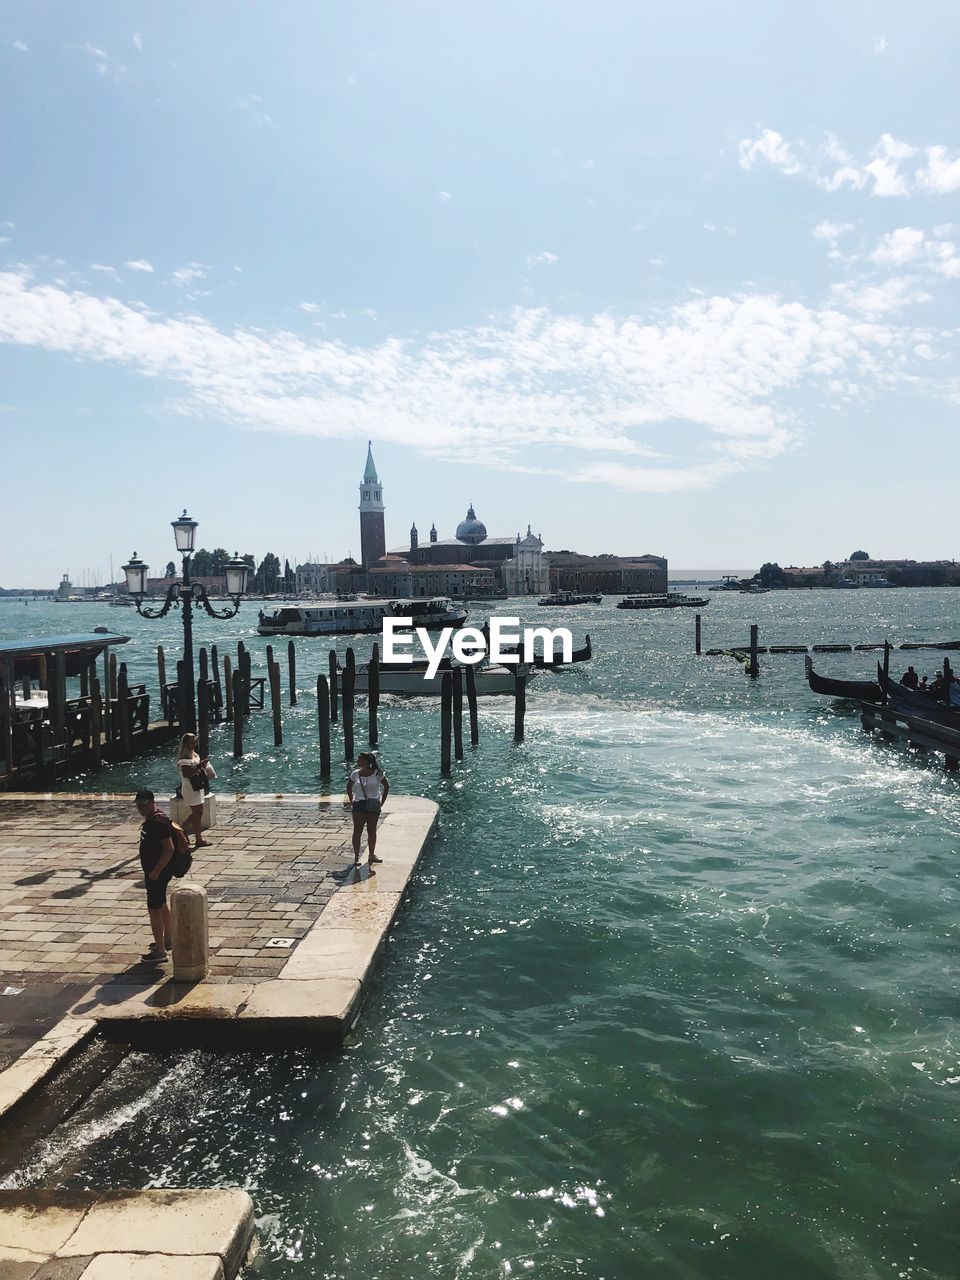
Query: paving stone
134, 1266
218, 1223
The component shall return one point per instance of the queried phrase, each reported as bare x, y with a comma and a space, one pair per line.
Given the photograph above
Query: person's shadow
87, 878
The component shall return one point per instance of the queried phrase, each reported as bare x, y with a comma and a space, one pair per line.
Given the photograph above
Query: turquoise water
674, 995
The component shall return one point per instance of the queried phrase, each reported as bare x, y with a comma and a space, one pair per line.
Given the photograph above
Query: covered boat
859, 690
411, 678
910, 702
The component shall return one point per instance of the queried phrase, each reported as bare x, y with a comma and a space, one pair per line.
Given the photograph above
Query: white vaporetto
468, 644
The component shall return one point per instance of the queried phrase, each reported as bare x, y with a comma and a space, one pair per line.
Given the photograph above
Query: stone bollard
191, 933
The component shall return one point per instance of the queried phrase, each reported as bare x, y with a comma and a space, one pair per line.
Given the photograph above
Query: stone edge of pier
314, 1001
125, 1235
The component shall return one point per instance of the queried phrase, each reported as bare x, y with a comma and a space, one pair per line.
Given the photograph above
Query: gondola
859, 690
919, 705
578, 655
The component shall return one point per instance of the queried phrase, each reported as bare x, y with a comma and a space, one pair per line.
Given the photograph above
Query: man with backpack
160, 859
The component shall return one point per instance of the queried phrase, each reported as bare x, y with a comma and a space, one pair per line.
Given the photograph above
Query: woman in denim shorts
367, 789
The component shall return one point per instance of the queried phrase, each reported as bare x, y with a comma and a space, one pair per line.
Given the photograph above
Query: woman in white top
367, 789
189, 766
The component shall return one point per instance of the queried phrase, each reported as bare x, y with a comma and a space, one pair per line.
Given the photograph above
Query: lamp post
187, 593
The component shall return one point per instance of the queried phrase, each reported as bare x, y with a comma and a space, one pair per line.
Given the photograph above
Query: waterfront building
373, 542
607, 574
65, 589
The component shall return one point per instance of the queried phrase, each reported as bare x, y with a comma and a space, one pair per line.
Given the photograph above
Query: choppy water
675, 994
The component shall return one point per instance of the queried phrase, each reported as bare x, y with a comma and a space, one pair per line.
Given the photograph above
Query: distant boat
568, 597
361, 618
858, 690
664, 600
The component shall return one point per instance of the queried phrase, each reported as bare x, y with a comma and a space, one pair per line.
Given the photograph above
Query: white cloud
880, 45
713, 227
546, 258
898, 247
139, 264
99, 266
445, 196
771, 147
722, 371
878, 300
186, 275
137, 40
311, 307
885, 173
21, 47
946, 259
831, 231
941, 173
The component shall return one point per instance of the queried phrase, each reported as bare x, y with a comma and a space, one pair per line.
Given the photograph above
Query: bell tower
373, 543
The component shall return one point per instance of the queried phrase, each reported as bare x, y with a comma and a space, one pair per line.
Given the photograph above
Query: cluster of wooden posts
239, 692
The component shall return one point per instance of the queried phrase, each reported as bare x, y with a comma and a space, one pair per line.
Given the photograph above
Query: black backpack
182, 859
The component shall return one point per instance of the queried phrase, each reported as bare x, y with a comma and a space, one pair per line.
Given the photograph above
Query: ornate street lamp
187, 593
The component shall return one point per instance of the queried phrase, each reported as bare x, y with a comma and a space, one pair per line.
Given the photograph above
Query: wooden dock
57, 715
926, 735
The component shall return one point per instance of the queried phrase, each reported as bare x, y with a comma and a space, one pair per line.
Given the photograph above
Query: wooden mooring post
107, 709
323, 724
446, 716
519, 703
292, 671
472, 705
123, 710
96, 723
162, 679
237, 715
203, 718
333, 686
182, 697
697, 636
245, 683
458, 713
274, 675
228, 685
886, 670
204, 664
753, 667
373, 695
349, 676
217, 692
113, 675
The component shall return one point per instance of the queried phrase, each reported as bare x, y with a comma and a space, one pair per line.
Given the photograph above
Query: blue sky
678, 278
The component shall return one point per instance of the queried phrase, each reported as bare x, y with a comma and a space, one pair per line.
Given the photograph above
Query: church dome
471, 530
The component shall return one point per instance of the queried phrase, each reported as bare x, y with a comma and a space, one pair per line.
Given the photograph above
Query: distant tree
771, 575
250, 559
268, 573
289, 577
171, 569
859, 555
201, 564
218, 560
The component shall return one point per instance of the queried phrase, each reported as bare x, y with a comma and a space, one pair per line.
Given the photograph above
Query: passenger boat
568, 597
411, 678
360, 617
665, 600
860, 690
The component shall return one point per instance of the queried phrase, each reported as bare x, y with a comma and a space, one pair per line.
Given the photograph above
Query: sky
677, 278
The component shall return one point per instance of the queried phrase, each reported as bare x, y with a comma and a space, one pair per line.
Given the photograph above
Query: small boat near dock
411, 678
